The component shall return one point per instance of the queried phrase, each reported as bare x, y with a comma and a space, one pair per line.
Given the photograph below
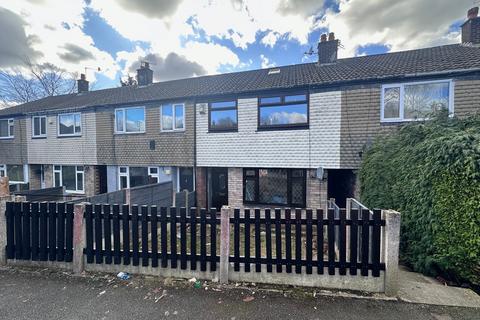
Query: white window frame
124, 131
77, 171
41, 135
154, 175
74, 134
4, 172
174, 128
178, 178
401, 118
123, 174
11, 128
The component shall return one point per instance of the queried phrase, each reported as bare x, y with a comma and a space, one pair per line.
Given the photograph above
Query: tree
129, 81
34, 81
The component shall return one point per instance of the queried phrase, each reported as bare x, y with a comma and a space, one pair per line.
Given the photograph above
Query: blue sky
197, 37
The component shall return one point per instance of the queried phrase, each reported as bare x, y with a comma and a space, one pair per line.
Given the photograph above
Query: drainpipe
195, 148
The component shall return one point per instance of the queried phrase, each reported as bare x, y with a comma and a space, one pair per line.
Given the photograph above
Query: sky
191, 38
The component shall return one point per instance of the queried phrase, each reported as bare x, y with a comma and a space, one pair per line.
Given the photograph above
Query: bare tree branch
34, 82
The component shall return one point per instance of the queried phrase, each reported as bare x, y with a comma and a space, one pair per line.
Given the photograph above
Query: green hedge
430, 172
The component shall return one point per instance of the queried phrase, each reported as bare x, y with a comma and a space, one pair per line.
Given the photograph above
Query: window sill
69, 135
39, 137
173, 131
222, 131
127, 133
280, 128
7, 138
71, 192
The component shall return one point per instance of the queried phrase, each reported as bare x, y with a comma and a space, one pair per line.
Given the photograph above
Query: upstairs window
415, 101
286, 112
39, 127
172, 117
6, 128
69, 124
223, 116
130, 120
70, 177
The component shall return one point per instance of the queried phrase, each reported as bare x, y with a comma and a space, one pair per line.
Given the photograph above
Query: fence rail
270, 244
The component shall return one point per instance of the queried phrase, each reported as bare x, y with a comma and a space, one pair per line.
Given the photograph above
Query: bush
430, 172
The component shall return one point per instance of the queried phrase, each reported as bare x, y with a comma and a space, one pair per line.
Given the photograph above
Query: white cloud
265, 62
270, 39
56, 29
400, 25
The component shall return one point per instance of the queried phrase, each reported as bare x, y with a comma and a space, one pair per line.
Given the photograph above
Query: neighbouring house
289, 136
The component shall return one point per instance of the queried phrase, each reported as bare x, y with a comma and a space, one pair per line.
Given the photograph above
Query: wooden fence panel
35, 231
25, 215
117, 255
107, 232
145, 252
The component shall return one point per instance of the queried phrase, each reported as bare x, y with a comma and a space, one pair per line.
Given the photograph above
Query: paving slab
417, 288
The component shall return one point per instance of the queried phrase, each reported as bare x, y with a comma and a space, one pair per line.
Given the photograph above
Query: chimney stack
327, 49
471, 27
82, 84
144, 74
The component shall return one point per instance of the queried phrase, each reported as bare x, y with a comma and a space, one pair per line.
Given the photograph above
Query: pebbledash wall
317, 146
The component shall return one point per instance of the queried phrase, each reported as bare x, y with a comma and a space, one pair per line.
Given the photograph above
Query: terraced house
286, 136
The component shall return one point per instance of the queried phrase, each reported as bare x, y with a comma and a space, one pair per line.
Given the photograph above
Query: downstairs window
285, 187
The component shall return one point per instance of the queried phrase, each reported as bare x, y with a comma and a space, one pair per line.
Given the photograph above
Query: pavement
417, 288
27, 293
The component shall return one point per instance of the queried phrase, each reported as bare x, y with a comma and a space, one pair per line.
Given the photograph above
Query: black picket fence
151, 235
39, 231
285, 240
289, 240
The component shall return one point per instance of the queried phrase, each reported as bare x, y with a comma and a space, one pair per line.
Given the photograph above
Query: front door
219, 184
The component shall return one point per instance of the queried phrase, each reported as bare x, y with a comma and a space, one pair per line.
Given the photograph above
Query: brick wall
34, 177
316, 190
171, 148
201, 187
235, 187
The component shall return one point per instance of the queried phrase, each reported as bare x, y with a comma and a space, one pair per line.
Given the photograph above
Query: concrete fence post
78, 238
128, 196
392, 243
3, 230
224, 243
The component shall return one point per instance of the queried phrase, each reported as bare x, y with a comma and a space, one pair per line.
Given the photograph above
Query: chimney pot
471, 27
327, 50
144, 74
472, 13
82, 83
